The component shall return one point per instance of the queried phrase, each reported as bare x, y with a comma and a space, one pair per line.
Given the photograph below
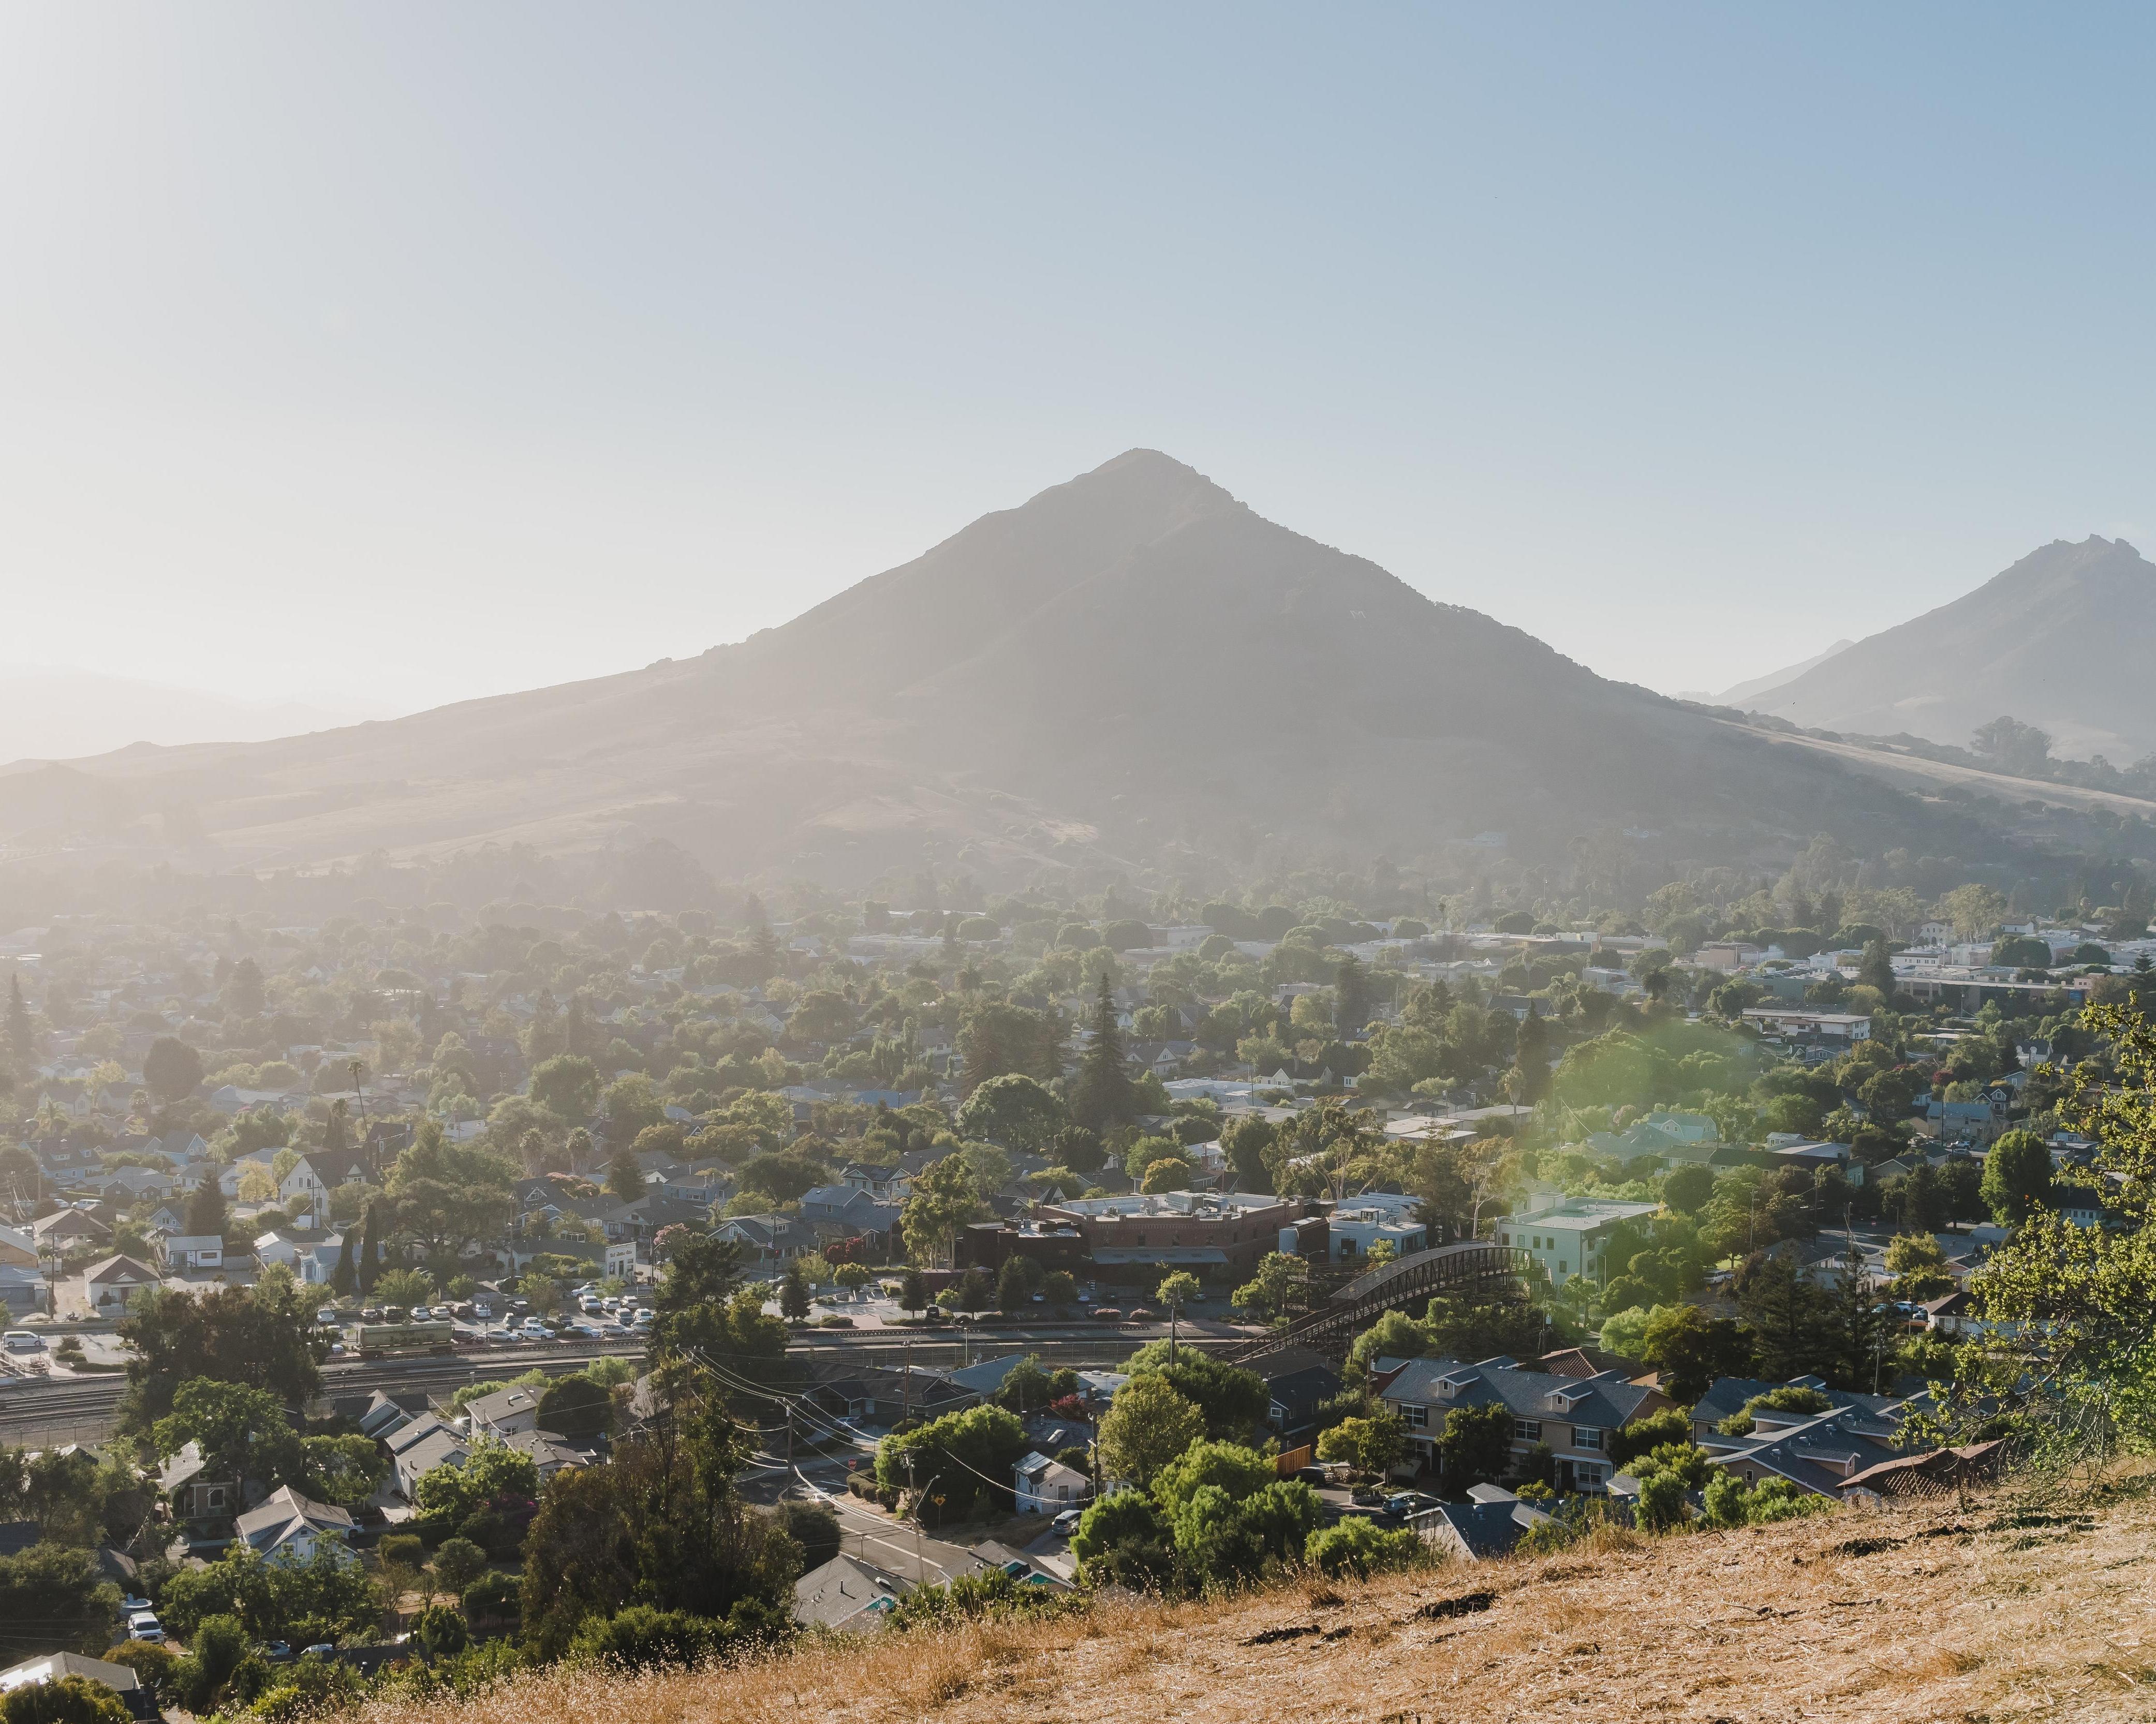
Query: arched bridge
1474, 1268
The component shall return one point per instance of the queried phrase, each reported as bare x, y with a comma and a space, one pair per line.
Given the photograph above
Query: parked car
1364, 1496
1315, 1477
482, 1310
329, 1317
465, 1313
143, 1625
422, 1314
23, 1340
398, 1314
1066, 1523
276, 1651
370, 1314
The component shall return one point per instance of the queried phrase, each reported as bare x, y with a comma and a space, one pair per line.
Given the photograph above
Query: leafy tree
62, 1699
63, 1592
1476, 1446
171, 1070
630, 1103
1279, 1288
976, 1448
243, 991
1661, 1505
1244, 1142
1919, 1264
261, 1337
943, 1200
663, 1527
459, 1563
567, 1086
913, 1290
1229, 1467
242, 1432
1644, 1436
440, 1631
1148, 1426
1234, 1402
1393, 1335
473, 1497
1013, 1292
1687, 1188
2017, 1178
1370, 1445
1124, 1539
575, 1407
1012, 1110
449, 1195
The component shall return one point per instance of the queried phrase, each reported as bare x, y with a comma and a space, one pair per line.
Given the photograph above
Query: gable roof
284, 1515
1607, 1400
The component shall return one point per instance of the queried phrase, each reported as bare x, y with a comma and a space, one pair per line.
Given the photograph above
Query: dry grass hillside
1974, 1612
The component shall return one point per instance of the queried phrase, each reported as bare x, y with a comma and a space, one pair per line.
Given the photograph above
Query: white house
316, 1174
287, 1527
186, 1251
1048, 1487
417, 1449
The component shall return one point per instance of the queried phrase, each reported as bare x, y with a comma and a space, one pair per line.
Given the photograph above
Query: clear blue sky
429, 351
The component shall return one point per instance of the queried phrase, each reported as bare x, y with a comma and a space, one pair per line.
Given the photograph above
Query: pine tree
1876, 970
370, 1249
336, 1135
1102, 1096
1859, 1325
22, 1038
793, 1294
206, 1210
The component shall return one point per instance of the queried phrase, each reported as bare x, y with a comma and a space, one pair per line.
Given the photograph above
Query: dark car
1314, 1476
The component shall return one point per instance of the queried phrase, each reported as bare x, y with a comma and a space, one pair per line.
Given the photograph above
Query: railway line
42, 1412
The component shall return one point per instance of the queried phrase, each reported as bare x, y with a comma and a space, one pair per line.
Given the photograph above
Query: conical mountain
1130, 667
2063, 639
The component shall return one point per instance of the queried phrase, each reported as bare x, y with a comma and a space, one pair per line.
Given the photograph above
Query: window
1527, 1431
1587, 1436
1415, 1415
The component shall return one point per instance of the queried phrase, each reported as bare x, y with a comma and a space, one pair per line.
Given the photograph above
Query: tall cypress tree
22, 1040
370, 1248
1101, 1097
344, 1279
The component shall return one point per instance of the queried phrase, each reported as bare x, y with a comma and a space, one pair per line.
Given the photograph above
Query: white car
482, 1312
536, 1330
421, 1314
23, 1340
143, 1625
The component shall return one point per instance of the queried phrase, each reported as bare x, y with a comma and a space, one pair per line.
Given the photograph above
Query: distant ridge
1744, 693
2063, 639
1131, 670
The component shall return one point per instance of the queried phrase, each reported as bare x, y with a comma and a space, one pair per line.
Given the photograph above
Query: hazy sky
409, 353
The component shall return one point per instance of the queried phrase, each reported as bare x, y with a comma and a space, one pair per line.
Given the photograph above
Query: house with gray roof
289, 1527
1574, 1417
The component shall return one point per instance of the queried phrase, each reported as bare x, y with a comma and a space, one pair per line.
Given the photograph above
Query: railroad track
81, 1409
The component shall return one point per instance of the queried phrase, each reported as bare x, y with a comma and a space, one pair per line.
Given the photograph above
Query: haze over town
949, 865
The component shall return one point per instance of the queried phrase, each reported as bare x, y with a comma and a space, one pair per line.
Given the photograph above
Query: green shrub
1359, 1548
71, 1700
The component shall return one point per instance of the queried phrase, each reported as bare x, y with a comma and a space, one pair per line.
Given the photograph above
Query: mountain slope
1131, 665
1745, 694
2062, 640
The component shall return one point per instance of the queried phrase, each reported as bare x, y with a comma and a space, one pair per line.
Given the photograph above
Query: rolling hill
2061, 640
1131, 664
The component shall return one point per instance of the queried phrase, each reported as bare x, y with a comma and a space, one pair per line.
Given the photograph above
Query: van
22, 1341
143, 1625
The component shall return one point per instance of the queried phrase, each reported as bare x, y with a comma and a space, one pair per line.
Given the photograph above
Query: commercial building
1227, 1232
1565, 1235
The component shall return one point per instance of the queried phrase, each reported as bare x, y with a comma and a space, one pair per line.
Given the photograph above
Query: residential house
185, 1253
850, 1208
183, 1481
1297, 1383
506, 1413
1357, 1225
66, 1231
1044, 1486
56, 1666
847, 1595
767, 1239
317, 1173
420, 1445
1486, 1526
110, 1284
1573, 1417
549, 1453
286, 1527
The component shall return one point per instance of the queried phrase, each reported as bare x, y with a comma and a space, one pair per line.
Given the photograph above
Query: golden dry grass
1973, 1615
